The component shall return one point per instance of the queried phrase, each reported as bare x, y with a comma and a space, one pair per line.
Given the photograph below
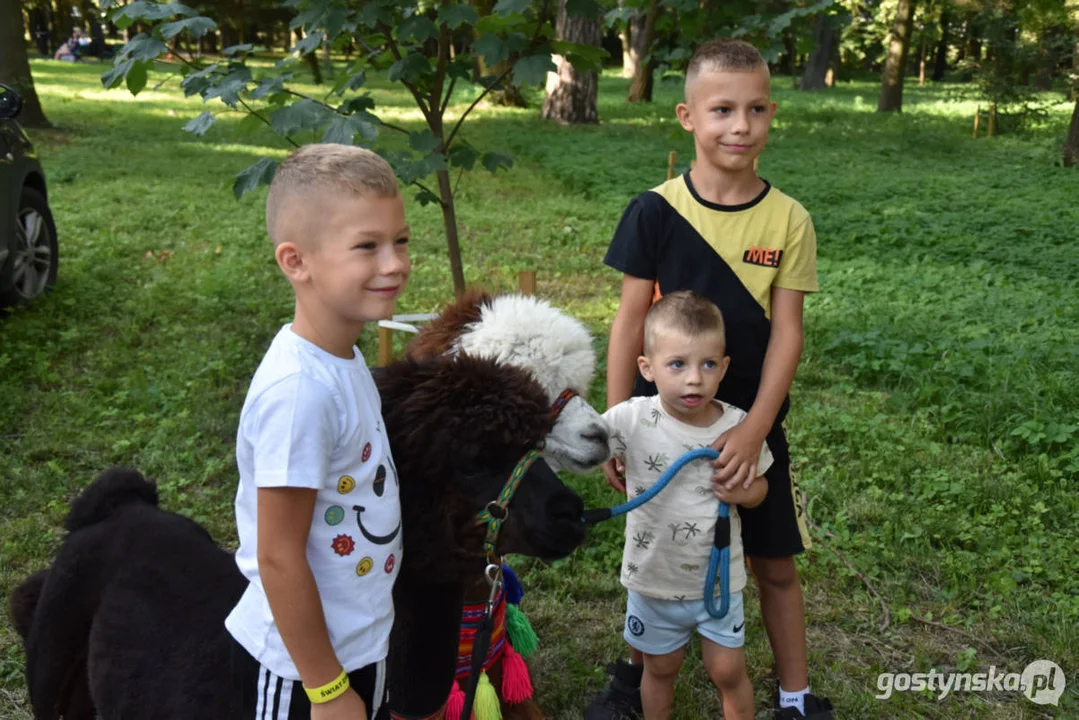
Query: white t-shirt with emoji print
314, 420
669, 539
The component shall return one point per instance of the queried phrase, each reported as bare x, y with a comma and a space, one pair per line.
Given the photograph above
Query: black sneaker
622, 698
816, 709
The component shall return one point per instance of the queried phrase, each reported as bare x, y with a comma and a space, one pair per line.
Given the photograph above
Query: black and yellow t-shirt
731, 254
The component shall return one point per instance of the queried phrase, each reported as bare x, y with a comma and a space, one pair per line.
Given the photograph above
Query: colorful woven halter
470, 620
560, 402
498, 509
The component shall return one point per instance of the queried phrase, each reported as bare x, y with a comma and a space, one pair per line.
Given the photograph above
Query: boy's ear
724, 365
290, 259
646, 368
682, 110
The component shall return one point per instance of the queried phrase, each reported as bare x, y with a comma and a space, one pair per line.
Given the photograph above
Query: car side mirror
10, 103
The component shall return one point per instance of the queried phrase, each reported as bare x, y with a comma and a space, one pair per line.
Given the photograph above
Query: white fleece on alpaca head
528, 333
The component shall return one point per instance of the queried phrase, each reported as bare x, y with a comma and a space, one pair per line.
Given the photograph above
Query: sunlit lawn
935, 424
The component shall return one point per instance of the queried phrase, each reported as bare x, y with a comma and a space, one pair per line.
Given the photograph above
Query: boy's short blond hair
326, 167
684, 312
725, 54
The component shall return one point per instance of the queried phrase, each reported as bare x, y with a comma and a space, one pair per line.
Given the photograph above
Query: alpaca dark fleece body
131, 613
131, 566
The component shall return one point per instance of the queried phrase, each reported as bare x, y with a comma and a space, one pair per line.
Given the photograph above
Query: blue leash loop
720, 560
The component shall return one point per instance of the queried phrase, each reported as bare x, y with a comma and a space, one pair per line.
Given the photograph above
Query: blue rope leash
720, 560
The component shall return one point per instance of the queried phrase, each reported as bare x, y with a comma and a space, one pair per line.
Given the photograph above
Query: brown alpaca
131, 613
556, 350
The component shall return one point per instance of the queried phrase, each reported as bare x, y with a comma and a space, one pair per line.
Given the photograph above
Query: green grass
934, 423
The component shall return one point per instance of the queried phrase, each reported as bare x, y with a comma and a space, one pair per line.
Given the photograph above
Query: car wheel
35, 253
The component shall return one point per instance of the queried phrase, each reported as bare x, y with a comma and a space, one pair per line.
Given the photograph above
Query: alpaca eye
380, 480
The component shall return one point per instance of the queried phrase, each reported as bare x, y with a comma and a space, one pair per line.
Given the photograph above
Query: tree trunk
1071, 145
14, 65
891, 80
644, 68
311, 59
921, 61
629, 64
571, 95
940, 64
509, 95
827, 40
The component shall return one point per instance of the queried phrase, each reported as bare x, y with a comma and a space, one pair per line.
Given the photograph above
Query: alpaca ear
438, 337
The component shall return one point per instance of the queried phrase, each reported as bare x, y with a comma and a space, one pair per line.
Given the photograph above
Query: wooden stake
385, 346
526, 281
672, 160
977, 119
992, 119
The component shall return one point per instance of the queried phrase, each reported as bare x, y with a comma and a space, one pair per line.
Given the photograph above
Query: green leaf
417, 29
197, 26
233, 49
411, 172
409, 68
583, 9
308, 45
349, 82
344, 129
463, 156
508, 7
454, 16
357, 104
136, 77
259, 173
114, 77
201, 124
423, 142
372, 14
492, 48
196, 83
229, 87
493, 161
270, 86
532, 69
303, 115
150, 11
426, 197
142, 47
582, 57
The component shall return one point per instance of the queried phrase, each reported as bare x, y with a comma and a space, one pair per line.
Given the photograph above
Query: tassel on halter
522, 636
487, 706
456, 704
516, 683
512, 586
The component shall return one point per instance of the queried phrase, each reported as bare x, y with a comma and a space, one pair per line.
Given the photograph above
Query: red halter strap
560, 402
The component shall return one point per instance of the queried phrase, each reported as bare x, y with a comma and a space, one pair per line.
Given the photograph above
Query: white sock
793, 699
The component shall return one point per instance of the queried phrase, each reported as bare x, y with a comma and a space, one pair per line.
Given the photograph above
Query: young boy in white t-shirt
669, 539
317, 508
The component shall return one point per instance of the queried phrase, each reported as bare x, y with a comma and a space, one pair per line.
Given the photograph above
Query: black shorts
775, 528
259, 694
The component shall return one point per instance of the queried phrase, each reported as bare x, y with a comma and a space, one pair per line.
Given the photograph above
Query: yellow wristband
329, 691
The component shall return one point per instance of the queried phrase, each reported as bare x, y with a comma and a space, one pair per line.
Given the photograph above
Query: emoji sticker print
364, 566
334, 515
343, 545
366, 453
390, 562
346, 484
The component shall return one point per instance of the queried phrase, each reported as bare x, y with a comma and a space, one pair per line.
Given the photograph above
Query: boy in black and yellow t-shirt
725, 233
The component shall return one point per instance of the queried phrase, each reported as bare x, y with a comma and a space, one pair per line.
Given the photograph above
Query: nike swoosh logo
738, 628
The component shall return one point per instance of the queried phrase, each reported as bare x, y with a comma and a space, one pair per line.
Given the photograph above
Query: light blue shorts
659, 627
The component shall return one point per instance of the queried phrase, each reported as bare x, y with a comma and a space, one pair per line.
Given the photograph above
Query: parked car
28, 248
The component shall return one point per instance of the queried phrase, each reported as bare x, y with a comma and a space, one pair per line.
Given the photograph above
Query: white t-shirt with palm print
669, 539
